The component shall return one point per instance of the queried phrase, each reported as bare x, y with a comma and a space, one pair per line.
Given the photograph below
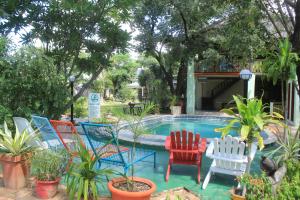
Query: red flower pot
46, 189
125, 195
15, 170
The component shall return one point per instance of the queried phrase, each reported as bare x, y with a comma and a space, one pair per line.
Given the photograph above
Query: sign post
94, 105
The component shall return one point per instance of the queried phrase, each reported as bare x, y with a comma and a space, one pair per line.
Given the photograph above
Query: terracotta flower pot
15, 170
46, 189
236, 196
124, 195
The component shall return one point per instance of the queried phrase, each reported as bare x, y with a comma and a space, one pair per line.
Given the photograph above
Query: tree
281, 65
29, 84
122, 71
68, 28
172, 31
284, 16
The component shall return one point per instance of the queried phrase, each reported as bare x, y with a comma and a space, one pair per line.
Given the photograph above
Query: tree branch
290, 3
271, 19
290, 14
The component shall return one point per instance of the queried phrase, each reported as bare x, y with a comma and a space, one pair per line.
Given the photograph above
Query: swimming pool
204, 125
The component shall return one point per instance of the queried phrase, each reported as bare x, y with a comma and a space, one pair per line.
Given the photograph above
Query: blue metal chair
101, 134
47, 132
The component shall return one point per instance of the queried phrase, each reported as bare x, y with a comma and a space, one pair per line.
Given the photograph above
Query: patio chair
185, 149
48, 133
99, 134
67, 131
23, 124
228, 156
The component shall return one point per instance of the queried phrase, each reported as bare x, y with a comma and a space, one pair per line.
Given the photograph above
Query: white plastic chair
23, 124
228, 156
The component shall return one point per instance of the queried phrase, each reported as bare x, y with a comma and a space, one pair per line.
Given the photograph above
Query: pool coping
159, 140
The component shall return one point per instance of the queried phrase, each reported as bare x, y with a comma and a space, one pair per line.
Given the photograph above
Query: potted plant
132, 188
175, 106
15, 151
48, 166
258, 187
82, 178
252, 121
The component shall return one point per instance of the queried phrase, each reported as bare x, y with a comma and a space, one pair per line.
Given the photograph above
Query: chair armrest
168, 143
184, 151
243, 159
253, 150
210, 150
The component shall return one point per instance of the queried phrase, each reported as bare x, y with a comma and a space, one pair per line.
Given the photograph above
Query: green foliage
83, 177
290, 186
15, 144
281, 64
6, 115
29, 83
258, 187
48, 165
81, 107
288, 149
126, 93
122, 71
251, 119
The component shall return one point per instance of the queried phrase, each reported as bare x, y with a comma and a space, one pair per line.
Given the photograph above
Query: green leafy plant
280, 64
15, 144
174, 100
258, 187
48, 165
251, 119
290, 186
83, 176
288, 149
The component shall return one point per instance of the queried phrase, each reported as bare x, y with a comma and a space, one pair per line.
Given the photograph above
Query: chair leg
154, 159
168, 171
199, 169
206, 180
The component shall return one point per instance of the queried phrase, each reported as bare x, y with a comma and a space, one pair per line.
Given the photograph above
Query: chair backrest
229, 147
47, 132
100, 136
184, 141
67, 133
23, 124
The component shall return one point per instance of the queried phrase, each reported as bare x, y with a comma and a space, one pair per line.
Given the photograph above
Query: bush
29, 83
81, 107
127, 94
290, 186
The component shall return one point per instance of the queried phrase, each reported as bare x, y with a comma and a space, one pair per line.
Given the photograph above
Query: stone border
159, 140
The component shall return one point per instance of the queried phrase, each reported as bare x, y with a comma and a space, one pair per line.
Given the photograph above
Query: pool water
206, 127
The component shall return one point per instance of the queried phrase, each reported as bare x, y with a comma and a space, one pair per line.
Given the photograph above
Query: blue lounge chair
47, 132
100, 134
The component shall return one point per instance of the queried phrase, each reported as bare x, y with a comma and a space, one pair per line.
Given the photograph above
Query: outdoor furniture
186, 149
67, 131
100, 134
23, 124
48, 133
228, 156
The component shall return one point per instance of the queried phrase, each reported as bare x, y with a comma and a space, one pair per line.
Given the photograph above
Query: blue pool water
205, 126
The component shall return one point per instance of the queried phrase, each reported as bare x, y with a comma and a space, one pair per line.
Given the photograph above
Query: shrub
81, 107
126, 94
290, 186
48, 165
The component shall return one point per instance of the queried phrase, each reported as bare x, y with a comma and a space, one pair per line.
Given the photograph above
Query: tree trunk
282, 96
286, 107
181, 78
296, 38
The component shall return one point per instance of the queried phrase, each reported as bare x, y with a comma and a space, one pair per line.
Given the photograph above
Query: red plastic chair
185, 149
